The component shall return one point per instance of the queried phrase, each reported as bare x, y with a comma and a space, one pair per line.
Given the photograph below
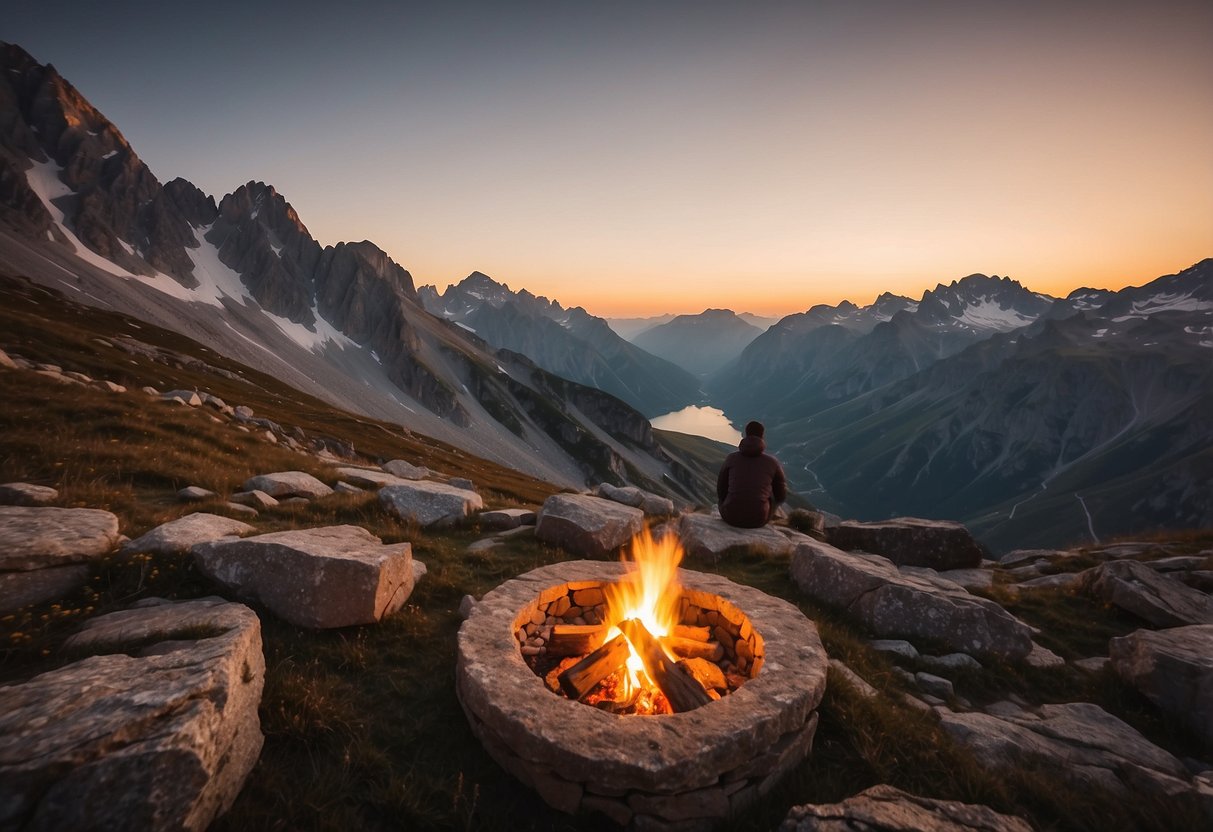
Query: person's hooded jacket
749, 482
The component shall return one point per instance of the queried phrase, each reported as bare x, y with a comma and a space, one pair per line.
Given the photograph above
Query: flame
650, 591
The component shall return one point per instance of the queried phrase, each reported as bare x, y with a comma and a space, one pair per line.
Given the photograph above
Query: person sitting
751, 482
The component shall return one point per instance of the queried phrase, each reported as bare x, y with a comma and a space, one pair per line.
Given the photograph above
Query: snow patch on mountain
990, 316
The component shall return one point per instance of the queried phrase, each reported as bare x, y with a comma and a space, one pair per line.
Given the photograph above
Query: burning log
676, 682
692, 633
575, 639
686, 648
581, 678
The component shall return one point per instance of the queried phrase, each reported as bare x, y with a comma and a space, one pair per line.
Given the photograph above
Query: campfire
640, 645
660, 697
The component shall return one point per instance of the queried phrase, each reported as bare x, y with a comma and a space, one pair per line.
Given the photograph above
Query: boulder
180, 535
895, 605
405, 470
194, 494
37, 537
256, 499
1174, 670
335, 576
461, 482
887, 809
506, 518
368, 478
587, 526
911, 541
707, 537
287, 484
162, 738
429, 503
1077, 742
970, 578
190, 397
241, 509
342, 487
1021, 556
651, 504
1154, 597
25, 494
1062, 580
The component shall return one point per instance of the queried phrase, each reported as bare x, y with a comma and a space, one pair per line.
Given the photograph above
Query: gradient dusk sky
638, 158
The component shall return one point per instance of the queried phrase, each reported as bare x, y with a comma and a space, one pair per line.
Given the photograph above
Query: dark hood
752, 446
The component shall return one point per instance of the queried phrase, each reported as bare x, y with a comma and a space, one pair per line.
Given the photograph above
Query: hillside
83, 214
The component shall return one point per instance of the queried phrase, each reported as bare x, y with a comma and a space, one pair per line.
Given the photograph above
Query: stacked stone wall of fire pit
682, 770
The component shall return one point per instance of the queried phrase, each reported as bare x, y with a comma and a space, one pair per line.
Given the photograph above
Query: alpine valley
1038, 421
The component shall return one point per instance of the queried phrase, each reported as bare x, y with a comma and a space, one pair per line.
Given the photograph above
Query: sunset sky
638, 158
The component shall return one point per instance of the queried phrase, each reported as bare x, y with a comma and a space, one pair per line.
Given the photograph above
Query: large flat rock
180, 535
587, 526
887, 809
710, 538
897, 605
429, 504
1173, 669
160, 739
911, 541
1078, 742
26, 494
369, 478
335, 576
653, 505
287, 484
36, 537
1151, 596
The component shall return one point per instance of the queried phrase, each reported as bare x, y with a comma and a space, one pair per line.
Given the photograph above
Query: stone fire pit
648, 770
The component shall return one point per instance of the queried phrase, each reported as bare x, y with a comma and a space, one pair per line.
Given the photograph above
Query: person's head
755, 429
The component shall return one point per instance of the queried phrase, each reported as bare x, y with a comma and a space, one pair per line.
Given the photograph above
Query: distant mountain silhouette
700, 343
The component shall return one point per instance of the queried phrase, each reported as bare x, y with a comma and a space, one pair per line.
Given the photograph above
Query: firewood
676, 681
581, 678
575, 639
685, 648
689, 631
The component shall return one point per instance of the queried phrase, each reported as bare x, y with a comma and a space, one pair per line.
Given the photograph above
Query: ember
656, 651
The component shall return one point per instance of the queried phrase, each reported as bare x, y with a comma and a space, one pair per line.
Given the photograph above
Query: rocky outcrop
502, 519
336, 576
429, 504
1077, 742
897, 605
368, 477
1174, 670
710, 538
45, 552
911, 541
886, 809
405, 470
116, 208
653, 505
177, 537
157, 730
587, 526
25, 494
1156, 598
287, 484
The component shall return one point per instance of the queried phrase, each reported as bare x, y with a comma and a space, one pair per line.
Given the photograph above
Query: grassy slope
362, 726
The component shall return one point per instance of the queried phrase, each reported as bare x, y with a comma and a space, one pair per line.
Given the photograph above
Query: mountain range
80, 212
1037, 420
702, 343
571, 343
